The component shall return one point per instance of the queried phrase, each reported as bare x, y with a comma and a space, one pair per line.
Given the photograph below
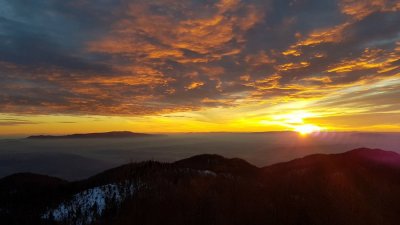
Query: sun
306, 129
294, 121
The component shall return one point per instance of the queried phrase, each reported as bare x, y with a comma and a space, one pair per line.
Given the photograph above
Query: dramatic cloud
143, 58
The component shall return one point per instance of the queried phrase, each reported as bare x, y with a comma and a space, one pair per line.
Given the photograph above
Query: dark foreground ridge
361, 186
112, 134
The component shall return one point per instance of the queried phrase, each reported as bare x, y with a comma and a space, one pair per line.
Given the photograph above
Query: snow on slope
207, 173
84, 207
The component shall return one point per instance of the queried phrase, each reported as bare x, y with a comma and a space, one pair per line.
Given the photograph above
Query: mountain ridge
111, 134
356, 187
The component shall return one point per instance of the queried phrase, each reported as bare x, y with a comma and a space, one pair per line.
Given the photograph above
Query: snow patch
86, 206
207, 173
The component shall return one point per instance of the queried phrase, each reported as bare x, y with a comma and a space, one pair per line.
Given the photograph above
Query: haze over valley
73, 158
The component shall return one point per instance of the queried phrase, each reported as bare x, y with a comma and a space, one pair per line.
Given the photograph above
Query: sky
199, 66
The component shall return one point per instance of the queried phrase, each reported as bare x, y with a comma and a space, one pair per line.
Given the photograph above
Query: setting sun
306, 129
298, 121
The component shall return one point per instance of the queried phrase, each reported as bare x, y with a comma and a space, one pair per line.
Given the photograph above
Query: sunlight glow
296, 121
306, 129
294, 117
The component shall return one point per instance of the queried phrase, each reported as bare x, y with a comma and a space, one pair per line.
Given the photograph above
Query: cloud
130, 57
15, 122
324, 79
378, 59
292, 66
361, 9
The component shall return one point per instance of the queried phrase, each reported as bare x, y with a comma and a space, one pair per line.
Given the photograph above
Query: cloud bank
136, 58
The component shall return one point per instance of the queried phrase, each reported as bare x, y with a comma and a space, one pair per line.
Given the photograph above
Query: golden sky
198, 66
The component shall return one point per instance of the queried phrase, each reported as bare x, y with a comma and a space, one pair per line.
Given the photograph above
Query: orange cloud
245, 77
361, 9
317, 37
324, 79
292, 66
261, 58
204, 35
293, 52
265, 83
370, 59
194, 85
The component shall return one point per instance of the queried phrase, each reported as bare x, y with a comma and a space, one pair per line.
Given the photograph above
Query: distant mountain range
113, 134
361, 186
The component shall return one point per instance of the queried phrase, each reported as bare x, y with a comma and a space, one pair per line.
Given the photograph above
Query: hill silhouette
361, 186
112, 134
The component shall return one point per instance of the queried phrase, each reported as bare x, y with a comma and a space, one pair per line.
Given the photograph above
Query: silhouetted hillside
65, 165
23, 197
356, 187
113, 134
28, 181
361, 186
218, 164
